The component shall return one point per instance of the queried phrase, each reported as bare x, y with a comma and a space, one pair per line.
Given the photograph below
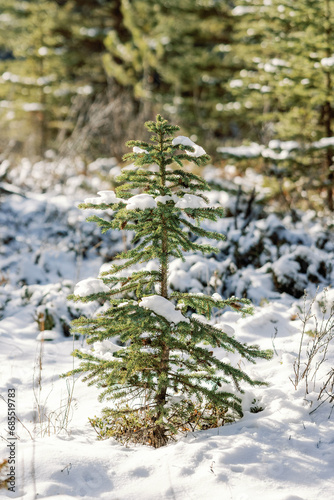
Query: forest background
250, 80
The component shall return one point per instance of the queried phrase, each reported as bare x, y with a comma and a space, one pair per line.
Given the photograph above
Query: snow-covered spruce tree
163, 375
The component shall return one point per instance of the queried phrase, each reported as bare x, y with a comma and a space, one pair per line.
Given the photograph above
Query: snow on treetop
141, 201
163, 307
107, 197
191, 201
89, 286
185, 141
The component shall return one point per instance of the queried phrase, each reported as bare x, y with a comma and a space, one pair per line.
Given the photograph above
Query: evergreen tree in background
164, 377
286, 85
178, 58
51, 69
31, 76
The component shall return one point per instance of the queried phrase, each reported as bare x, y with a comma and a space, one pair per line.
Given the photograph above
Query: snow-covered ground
283, 447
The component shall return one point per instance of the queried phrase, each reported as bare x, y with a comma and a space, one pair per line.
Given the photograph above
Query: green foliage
285, 85
163, 349
176, 56
51, 65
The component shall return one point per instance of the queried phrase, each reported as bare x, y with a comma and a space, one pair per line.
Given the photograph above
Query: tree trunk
160, 397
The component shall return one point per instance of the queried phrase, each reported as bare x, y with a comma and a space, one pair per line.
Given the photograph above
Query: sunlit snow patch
48, 335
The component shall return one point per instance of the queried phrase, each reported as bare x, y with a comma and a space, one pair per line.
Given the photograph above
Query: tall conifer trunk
161, 396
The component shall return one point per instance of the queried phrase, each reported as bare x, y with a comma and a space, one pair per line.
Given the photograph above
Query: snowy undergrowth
281, 452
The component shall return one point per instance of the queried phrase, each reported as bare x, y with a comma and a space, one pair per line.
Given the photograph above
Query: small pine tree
165, 351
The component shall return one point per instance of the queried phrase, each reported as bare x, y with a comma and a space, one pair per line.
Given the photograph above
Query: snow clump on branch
185, 141
90, 286
163, 307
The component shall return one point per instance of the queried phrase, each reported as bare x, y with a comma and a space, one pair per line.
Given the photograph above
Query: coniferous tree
51, 66
285, 87
177, 57
166, 343
33, 72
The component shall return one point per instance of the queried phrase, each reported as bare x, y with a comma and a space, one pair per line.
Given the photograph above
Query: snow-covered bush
293, 272
151, 350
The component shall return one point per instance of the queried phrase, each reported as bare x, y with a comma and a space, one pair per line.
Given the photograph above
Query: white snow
138, 150
46, 335
200, 318
105, 349
237, 83
107, 197
141, 201
167, 197
164, 308
226, 328
186, 201
185, 141
327, 62
89, 286
276, 150
281, 453
252, 151
287, 145
32, 106
324, 142
191, 201
242, 10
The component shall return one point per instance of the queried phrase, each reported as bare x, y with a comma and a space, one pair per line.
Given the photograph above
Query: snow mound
48, 335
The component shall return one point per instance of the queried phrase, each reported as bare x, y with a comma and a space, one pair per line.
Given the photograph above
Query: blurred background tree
178, 58
87, 60
286, 85
51, 67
